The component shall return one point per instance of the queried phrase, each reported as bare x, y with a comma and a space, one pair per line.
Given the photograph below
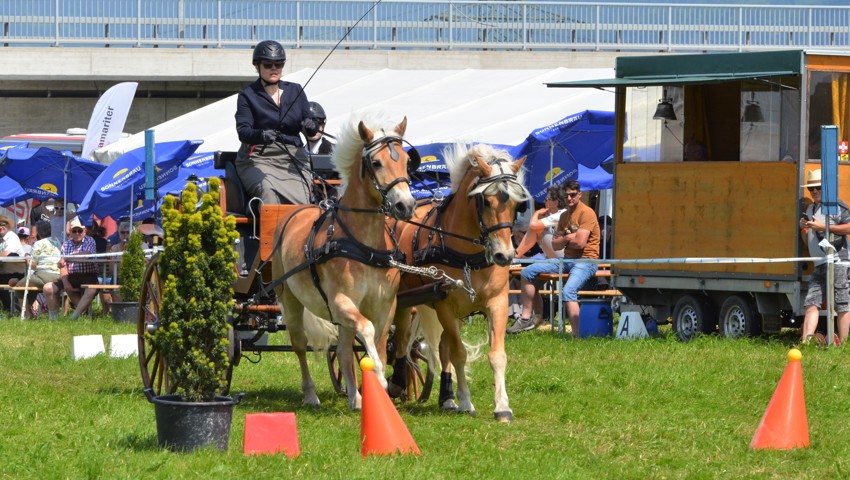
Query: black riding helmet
269, 50
317, 112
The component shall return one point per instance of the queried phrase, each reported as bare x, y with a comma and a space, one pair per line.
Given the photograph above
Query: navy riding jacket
256, 111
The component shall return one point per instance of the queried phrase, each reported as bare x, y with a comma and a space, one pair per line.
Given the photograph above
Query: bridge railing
422, 24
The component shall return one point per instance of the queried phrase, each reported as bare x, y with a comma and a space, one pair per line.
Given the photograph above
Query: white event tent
471, 105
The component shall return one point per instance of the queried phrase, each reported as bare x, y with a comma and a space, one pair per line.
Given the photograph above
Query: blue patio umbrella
122, 184
11, 192
46, 173
201, 165
555, 152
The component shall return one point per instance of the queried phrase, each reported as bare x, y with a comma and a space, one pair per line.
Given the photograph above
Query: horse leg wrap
446, 388
397, 386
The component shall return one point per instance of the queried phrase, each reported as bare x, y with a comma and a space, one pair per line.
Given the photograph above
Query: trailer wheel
691, 316
739, 317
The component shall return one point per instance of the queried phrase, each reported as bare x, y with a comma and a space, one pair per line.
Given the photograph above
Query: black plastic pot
125, 312
186, 426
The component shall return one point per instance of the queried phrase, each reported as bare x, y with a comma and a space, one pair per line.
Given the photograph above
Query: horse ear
365, 134
518, 164
486, 170
401, 127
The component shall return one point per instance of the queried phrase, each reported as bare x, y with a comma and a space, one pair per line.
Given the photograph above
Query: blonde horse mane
461, 157
349, 148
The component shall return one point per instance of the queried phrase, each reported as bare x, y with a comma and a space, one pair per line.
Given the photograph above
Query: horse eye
376, 164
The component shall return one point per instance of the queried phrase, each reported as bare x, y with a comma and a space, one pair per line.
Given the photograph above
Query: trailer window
770, 121
829, 104
752, 120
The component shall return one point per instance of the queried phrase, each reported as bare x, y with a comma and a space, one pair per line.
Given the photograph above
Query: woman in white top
542, 225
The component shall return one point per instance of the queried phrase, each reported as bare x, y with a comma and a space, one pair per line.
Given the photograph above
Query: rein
447, 256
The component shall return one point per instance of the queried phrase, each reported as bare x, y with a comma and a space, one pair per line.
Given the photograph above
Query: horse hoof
504, 417
396, 391
449, 406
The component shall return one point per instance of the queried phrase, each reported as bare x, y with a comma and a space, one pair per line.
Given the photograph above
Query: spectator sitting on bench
77, 274
578, 235
44, 268
10, 246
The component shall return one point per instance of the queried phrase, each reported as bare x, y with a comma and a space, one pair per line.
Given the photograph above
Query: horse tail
427, 325
321, 333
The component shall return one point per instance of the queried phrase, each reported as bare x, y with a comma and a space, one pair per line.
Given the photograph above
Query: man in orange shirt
578, 236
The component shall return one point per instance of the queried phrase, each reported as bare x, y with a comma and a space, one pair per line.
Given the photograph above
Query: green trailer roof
654, 70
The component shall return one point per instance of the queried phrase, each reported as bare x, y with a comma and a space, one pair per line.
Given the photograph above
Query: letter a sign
631, 326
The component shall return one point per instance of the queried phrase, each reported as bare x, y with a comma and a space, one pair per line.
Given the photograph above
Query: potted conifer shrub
197, 270
130, 278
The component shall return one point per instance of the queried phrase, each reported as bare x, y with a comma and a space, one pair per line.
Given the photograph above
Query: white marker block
87, 346
123, 346
631, 326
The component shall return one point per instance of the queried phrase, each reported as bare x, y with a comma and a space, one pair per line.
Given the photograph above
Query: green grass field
597, 408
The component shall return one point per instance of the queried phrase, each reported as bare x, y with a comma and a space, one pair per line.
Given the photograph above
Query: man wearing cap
814, 227
77, 274
26, 239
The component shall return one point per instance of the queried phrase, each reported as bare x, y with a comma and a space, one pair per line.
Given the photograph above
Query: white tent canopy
492, 106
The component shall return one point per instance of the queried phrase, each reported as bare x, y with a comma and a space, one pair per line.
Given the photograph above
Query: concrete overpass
51, 89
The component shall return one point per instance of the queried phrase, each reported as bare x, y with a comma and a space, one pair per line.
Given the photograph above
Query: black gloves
269, 136
309, 127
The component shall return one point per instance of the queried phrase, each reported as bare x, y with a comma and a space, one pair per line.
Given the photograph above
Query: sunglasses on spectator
573, 195
812, 189
269, 65
4, 224
124, 232
76, 230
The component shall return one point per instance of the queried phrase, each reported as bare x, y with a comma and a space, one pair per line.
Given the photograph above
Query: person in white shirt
11, 243
44, 269
541, 229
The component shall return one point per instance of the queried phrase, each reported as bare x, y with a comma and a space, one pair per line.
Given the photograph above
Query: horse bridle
502, 176
375, 146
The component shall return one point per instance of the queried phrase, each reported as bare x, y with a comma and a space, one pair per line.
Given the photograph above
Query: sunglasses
812, 189
124, 232
76, 230
573, 195
4, 224
269, 65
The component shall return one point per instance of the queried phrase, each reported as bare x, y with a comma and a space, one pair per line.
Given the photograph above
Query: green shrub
197, 269
132, 268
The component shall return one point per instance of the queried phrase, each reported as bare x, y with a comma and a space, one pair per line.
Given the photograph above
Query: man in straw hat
814, 227
10, 246
77, 274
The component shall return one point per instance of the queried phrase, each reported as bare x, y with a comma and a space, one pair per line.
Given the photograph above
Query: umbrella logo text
553, 173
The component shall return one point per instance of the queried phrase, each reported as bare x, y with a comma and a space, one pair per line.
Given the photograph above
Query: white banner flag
108, 117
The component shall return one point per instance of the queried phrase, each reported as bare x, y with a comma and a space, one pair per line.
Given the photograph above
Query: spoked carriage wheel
337, 379
151, 362
150, 300
420, 378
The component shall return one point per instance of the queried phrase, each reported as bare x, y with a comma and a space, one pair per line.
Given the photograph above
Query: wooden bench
554, 280
102, 289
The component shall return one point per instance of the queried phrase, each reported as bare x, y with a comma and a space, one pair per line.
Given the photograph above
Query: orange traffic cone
382, 431
784, 425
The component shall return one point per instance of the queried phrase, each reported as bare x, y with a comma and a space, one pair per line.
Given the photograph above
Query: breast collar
436, 251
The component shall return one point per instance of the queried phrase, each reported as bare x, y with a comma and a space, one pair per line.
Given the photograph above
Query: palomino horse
333, 261
468, 235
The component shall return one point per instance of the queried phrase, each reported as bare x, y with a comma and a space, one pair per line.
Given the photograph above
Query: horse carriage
340, 267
